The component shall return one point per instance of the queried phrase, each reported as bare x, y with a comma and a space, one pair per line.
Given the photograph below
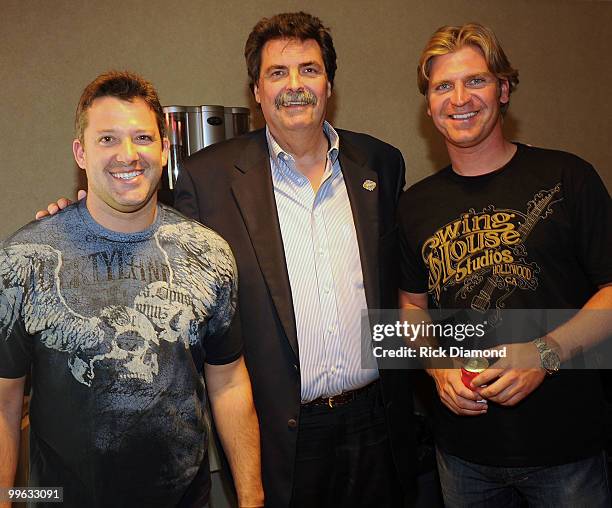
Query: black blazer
228, 187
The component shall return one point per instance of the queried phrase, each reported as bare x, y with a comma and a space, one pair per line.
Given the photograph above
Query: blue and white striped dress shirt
325, 274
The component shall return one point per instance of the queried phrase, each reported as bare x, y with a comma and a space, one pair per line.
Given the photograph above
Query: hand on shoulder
60, 204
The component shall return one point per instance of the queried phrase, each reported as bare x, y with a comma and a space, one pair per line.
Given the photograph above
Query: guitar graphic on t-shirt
538, 208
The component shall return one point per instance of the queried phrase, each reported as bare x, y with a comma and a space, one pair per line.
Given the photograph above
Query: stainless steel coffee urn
236, 121
191, 128
213, 124
184, 126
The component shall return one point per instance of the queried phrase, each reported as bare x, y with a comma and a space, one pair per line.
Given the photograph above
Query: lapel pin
369, 185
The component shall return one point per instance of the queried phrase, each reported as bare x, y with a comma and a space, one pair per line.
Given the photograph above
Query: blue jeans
581, 483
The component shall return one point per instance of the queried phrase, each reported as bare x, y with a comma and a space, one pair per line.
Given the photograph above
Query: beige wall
192, 51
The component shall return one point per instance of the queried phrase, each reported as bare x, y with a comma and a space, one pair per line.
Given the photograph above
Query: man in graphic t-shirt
120, 306
508, 226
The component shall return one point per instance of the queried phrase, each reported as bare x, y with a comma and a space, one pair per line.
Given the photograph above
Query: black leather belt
343, 398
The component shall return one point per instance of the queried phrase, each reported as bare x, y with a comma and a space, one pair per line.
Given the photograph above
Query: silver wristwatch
549, 360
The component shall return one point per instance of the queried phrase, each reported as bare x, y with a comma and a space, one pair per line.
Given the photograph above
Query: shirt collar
276, 152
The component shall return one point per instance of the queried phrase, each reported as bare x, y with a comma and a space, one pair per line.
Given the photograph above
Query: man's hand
61, 203
507, 384
454, 394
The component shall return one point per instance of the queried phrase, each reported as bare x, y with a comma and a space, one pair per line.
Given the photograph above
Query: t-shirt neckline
520, 148
116, 236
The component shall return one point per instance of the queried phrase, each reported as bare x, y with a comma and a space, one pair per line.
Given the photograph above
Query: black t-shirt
116, 328
535, 234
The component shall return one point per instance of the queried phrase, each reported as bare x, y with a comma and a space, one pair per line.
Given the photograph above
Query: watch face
550, 361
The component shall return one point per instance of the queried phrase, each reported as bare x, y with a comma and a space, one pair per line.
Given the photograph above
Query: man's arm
11, 401
587, 328
451, 390
229, 390
584, 330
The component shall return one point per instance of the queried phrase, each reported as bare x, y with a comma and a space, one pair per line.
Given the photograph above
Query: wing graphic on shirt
11, 293
30, 282
29, 274
121, 338
202, 273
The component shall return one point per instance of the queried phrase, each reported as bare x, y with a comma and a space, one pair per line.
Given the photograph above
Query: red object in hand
472, 368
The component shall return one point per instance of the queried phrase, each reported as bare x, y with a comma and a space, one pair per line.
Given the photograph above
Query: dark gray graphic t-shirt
115, 328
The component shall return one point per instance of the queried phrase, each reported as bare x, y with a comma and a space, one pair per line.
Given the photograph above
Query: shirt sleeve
593, 228
223, 341
15, 342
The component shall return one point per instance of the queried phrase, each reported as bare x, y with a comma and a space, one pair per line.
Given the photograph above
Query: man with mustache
121, 307
309, 212
509, 226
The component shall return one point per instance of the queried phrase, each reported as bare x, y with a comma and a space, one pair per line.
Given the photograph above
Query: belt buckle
330, 401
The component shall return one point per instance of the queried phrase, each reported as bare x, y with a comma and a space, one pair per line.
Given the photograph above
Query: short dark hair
124, 85
289, 25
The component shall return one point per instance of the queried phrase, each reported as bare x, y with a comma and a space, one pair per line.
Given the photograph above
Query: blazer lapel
362, 187
254, 193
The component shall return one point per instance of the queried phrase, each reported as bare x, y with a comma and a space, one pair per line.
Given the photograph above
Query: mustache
304, 96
